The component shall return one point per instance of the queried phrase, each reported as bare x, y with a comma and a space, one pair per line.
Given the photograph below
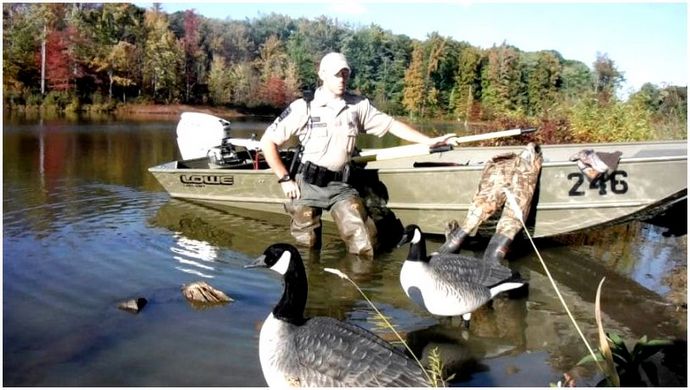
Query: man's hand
448, 139
290, 189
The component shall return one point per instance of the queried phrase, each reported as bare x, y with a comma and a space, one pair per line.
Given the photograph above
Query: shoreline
176, 110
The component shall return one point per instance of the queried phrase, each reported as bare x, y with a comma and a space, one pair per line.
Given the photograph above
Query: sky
648, 41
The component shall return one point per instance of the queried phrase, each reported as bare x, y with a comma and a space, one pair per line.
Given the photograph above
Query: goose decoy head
276, 257
412, 234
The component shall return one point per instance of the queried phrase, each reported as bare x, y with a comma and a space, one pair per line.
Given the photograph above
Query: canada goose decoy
451, 284
322, 351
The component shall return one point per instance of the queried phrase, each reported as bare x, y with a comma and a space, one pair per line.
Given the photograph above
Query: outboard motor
198, 133
226, 155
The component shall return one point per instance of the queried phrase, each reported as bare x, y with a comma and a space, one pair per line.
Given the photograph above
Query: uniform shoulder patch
284, 114
275, 123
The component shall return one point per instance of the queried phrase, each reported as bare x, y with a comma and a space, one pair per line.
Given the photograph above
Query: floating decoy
451, 284
322, 351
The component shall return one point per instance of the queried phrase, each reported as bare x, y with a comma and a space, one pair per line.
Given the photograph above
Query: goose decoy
322, 351
451, 284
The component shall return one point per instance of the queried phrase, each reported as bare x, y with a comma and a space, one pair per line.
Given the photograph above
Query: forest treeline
95, 56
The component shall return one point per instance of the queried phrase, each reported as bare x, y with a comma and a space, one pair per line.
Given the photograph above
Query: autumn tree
48, 16
121, 61
163, 58
194, 64
293, 84
414, 91
271, 59
271, 62
443, 63
20, 43
607, 78
434, 50
58, 69
219, 81
113, 45
245, 83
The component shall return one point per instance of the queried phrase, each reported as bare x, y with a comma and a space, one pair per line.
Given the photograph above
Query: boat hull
649, 176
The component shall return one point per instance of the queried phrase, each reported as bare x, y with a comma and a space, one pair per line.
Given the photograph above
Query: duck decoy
322, 351
451, 284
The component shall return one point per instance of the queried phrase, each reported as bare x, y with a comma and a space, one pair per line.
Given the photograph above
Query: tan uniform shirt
329, 138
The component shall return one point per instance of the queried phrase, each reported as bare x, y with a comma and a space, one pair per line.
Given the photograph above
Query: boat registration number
615, 183
203, 180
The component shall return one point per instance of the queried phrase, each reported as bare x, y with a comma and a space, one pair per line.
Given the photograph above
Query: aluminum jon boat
433, 188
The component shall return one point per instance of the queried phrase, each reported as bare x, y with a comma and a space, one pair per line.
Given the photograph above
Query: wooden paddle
421, 149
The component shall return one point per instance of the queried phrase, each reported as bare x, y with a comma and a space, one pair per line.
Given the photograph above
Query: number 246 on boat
615, 183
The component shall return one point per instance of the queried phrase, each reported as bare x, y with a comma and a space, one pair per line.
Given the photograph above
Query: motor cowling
198, 133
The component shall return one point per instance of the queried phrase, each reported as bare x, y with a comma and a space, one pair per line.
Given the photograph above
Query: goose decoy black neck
413, 235
286, 260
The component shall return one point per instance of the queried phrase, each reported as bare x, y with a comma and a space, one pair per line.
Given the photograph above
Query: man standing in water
327, 127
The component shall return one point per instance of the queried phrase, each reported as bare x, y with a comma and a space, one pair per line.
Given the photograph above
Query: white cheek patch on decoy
283, 263
417, 237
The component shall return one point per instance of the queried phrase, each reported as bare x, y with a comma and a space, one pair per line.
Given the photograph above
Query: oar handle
492, 135
421, 149
400, 151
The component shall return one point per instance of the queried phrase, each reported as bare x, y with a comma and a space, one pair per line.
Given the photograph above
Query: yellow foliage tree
413, 91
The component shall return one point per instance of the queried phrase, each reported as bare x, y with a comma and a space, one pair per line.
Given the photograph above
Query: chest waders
517, 172
356, 229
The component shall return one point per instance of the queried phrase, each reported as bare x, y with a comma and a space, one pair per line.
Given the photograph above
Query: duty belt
317, 175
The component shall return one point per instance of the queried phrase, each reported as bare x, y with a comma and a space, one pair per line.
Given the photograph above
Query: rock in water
133, 306
203, 294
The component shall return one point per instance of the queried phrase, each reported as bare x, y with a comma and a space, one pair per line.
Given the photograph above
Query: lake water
86, 227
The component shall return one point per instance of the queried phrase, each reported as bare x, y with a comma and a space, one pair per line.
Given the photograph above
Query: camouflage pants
516, 172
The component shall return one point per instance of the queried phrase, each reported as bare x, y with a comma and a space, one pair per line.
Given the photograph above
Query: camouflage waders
519, 174
305, 225
355, 227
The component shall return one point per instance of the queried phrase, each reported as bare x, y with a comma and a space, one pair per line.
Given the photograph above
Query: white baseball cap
332, 63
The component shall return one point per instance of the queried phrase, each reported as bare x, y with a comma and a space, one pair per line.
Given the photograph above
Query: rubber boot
497, 248
355, 227
305, 225
453, 241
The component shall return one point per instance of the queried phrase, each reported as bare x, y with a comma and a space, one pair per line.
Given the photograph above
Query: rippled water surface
85, 226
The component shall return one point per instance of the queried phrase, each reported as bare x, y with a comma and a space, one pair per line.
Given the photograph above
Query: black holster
318, 175
295, 162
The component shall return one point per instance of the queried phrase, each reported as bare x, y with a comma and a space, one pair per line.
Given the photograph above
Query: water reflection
189, 252
44, 155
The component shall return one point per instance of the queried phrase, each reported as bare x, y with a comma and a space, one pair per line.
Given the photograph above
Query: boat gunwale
162, 168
